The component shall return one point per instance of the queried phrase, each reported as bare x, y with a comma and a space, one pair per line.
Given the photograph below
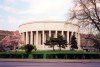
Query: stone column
43, 38
39, 39
36, 38
27, 38
71, 34
32, 37
49, 33
68, 37
56, 33
76, 35
71, 37
68, 41
22, 36
79, 44
62, 33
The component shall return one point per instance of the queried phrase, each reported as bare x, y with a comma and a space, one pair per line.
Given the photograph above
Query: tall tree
96, 41
87, 12
11, 41
73, 42
60, 41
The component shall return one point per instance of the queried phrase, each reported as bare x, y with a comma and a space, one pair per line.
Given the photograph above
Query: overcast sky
15, 12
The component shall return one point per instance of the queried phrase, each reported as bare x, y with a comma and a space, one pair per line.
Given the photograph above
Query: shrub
28, 48
22, 47
34, 47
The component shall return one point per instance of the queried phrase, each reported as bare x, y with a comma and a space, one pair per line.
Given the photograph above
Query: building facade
38, 31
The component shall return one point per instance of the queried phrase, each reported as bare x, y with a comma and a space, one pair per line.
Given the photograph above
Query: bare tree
87, 12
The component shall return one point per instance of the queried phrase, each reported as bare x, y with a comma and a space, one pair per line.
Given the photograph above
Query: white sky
15, 12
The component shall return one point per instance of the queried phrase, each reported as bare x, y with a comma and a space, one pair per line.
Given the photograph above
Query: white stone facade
37, 32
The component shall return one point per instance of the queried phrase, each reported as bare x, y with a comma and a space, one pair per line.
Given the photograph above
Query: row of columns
26, 37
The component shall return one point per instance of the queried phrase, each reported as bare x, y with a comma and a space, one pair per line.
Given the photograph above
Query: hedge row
52, 56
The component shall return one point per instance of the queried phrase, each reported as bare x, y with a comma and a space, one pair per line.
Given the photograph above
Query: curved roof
48, 22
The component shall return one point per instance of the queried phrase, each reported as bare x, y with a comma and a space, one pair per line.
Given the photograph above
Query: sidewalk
52, 60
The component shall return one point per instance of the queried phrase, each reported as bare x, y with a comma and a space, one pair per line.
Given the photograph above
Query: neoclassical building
37, 32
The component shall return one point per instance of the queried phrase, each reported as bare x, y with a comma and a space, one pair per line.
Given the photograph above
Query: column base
79, 48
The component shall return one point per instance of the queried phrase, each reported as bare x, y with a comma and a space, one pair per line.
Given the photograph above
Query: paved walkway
53, 60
